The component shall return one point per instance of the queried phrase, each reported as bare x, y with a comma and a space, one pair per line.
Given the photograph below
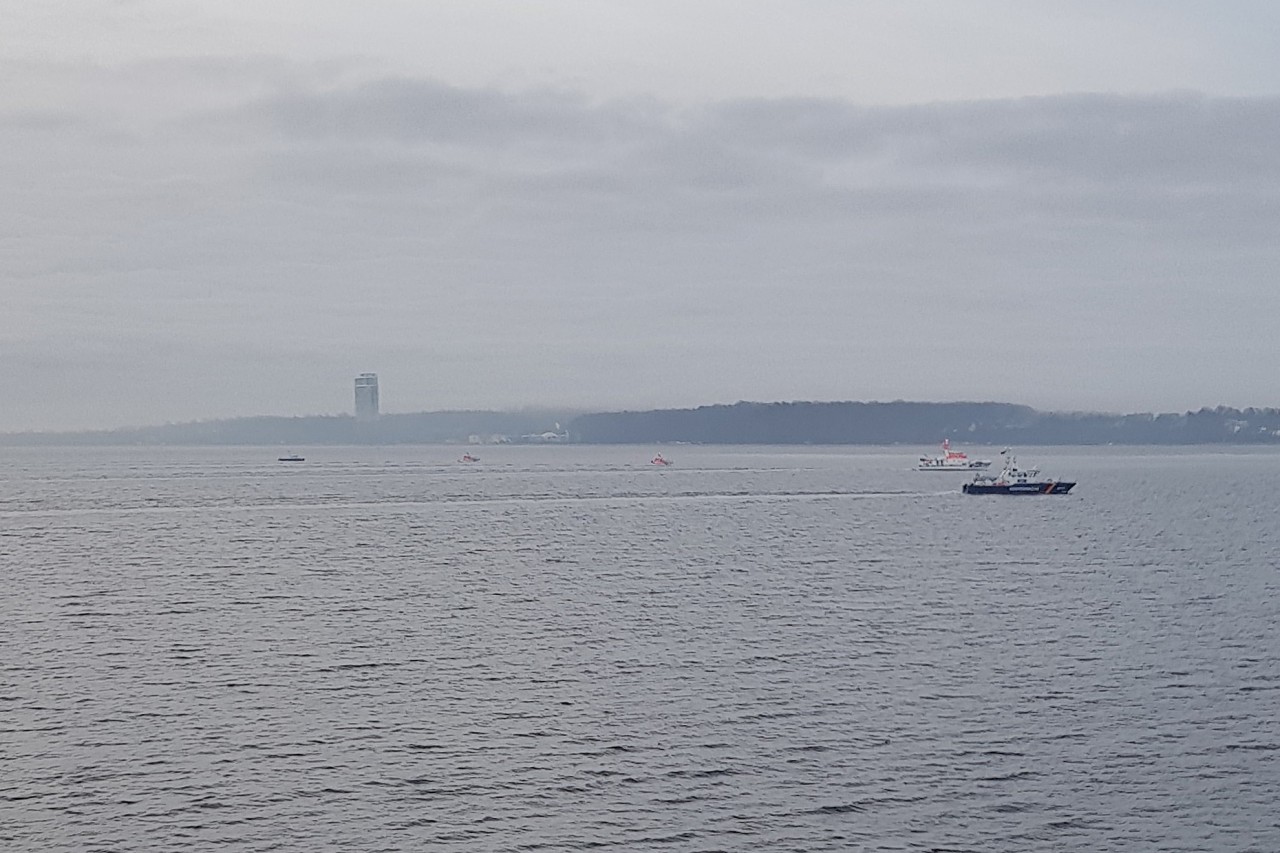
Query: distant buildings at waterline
371, 423
367, 397
549, 437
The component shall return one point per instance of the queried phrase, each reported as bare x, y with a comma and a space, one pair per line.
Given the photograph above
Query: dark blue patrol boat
1013, 480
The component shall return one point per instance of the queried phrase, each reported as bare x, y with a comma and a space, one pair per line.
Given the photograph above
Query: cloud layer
199, 238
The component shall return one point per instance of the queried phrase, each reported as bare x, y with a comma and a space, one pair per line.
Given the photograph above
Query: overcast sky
232, 208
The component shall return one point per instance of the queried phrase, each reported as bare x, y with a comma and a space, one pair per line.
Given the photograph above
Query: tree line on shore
916, 423
875, 423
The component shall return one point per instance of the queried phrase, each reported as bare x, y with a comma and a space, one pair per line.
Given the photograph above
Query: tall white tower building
367, 397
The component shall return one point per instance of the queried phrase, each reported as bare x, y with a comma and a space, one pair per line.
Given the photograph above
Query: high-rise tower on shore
367, 397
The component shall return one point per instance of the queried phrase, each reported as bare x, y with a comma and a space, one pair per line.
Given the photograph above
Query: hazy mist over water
559, 648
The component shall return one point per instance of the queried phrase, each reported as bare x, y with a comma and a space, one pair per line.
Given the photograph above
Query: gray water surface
565, 648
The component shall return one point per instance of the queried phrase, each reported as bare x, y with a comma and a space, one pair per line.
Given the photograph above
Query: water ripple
757, 649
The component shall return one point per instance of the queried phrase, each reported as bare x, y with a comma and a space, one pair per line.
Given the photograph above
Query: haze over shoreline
844, 422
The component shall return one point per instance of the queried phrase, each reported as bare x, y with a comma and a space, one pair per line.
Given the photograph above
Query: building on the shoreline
367, 397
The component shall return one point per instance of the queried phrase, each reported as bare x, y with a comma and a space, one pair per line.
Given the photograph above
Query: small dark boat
292, 457
1013, 480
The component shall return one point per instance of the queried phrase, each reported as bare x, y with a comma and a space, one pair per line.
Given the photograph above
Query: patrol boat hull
1046, 488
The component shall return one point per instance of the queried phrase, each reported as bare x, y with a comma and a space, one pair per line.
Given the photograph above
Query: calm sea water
565, 648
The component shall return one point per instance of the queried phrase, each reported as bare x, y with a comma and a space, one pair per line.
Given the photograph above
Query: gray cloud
484, 248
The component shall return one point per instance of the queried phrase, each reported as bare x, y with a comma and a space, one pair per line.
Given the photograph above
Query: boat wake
459, 500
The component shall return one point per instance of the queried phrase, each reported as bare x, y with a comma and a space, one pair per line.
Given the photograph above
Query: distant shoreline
792, 423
